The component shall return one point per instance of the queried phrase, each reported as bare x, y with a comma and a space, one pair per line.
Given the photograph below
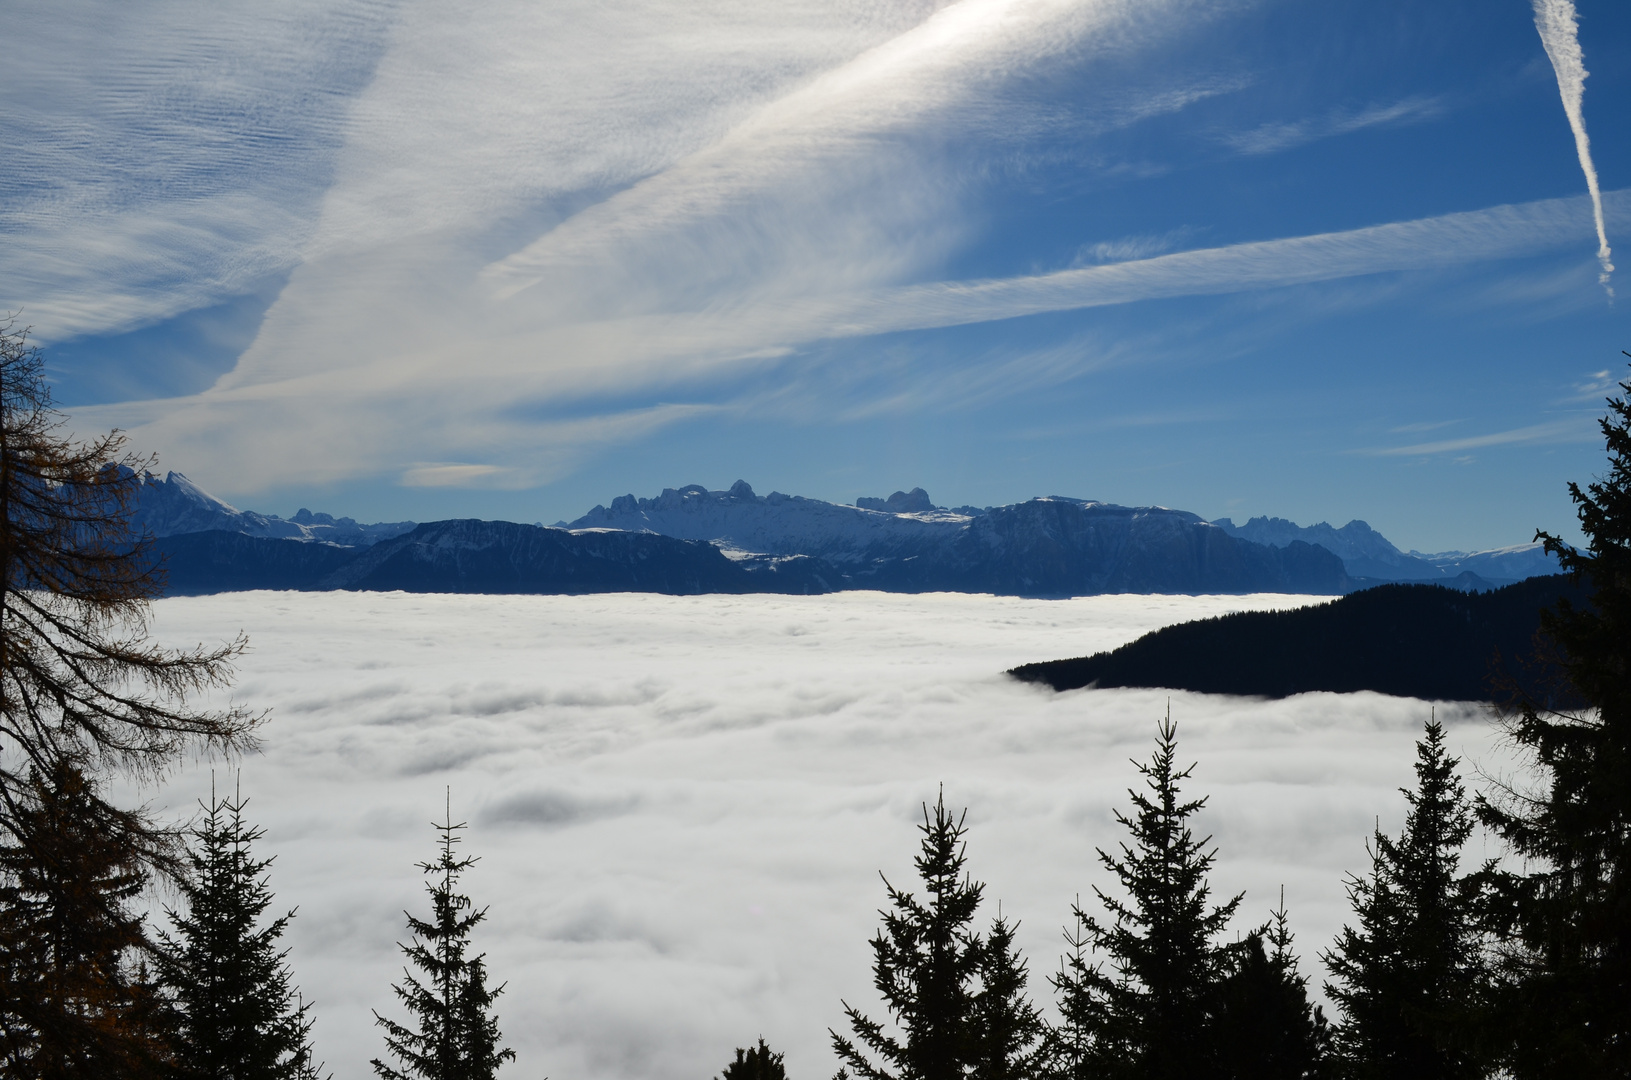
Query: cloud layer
682, 804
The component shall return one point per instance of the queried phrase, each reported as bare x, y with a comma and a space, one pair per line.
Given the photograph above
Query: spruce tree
1086, 1045
1263, 1025
926, 961
1409, 977
1149, 1019
456, 1034
236, 1011
1011, 1040
755, 1063
1565, 964
74, 999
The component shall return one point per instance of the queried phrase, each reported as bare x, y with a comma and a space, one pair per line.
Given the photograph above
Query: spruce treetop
457, 1035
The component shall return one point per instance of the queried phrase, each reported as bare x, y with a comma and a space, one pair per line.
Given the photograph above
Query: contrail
1560, 34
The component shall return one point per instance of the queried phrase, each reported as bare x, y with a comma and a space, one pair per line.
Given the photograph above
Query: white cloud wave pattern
682, 804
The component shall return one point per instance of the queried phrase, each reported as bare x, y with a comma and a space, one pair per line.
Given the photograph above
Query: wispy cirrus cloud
362, 418
1575, 429
1274, 137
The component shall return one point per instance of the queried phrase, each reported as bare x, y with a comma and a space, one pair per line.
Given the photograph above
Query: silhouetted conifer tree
456, 1034
755, 1063
75, 1001
926, 963
1410, 976
1150, 1018
1565, 965
1263, 1025
236, 1011
1011, 1041
1086, 1043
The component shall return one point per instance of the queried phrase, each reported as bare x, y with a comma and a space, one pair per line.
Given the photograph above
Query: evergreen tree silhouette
1263, 1025
926, 962
755, 1063
457, 1036
236, 1012
75, 1001
1086, 1045
1410, 976
1565, 961
1149, 1019
1011, 1041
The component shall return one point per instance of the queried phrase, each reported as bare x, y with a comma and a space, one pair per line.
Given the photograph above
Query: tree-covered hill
1423, 641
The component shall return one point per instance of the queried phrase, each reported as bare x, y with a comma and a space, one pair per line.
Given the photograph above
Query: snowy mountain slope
175, 505
1497, 564
1364, 551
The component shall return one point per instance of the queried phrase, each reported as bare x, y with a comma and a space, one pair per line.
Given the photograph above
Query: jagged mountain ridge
1053, 546
175, 506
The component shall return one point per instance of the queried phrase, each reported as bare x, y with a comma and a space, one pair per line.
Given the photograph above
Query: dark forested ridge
1046, 547
467, 556
219, 561
1422, 641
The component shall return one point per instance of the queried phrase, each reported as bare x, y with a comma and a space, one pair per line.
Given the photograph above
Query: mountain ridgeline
693, 540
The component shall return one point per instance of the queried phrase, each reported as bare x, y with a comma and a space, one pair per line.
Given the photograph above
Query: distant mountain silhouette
465, 556
1045, 547
1422, 641
468, 556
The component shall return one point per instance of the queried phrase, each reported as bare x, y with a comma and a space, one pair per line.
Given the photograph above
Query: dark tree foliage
1565, 964
1150, 1017
80, 684
236, 1013
926, 963
1410, 976
1263, 1025
74, 998
755, 1063
1084, 1043
1011, 1040
456, 1036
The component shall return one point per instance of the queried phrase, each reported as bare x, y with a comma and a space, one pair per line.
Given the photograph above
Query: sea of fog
682, 804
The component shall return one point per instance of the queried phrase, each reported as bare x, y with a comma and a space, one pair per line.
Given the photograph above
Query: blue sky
1316, 260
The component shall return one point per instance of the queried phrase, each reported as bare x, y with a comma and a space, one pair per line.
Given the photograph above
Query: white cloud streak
1271, 138
369, 409
1500, 232
1580, 429
681, 804
1560, 33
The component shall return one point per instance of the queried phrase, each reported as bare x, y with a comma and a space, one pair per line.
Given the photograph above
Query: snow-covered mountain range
1051, 546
